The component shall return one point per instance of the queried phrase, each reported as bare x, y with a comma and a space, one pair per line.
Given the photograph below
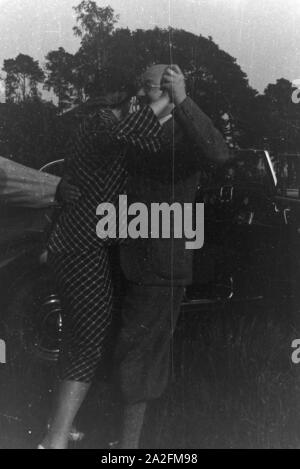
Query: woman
79, 259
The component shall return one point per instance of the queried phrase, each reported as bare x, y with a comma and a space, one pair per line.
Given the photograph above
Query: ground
232, 385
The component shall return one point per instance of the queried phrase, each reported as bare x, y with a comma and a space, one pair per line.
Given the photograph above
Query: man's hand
173, 82
67, 192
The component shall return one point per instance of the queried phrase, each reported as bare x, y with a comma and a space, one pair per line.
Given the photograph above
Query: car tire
33, 318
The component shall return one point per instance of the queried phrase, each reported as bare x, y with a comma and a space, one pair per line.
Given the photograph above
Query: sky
263, 35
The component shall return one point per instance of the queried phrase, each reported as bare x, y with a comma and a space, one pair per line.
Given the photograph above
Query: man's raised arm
201, 130
195, 122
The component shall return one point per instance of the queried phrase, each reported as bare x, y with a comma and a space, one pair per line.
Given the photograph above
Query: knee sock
132, 426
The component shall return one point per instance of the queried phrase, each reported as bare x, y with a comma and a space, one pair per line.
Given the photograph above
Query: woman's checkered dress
78, 258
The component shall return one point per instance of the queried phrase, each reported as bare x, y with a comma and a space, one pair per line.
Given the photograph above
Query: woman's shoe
75, 435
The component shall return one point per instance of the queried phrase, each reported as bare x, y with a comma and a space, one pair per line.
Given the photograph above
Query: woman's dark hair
101, 86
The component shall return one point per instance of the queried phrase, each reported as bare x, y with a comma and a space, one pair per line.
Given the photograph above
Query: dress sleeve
140, 130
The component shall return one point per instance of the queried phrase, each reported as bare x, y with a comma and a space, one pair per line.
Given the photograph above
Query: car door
245, 230
26, 200
288, 202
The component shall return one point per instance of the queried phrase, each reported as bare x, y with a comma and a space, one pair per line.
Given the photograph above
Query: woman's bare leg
69, 398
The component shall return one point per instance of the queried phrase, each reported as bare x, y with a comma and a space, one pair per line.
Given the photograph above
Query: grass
233, 384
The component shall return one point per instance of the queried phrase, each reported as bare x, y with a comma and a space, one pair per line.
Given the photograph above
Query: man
159, 269
166, 168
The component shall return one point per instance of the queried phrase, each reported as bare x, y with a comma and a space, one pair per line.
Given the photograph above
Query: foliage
95, 26
31, 132
22, 77
282, 123
59, 66
109, 57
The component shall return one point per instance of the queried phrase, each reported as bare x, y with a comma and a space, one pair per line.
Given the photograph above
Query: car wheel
34, 318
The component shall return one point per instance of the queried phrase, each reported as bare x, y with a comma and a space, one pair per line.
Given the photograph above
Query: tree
281, 116
2, 87
31, 132
60, 67
11, 83
94, 21
123, 65
214, 79
23, 74
114, 56
95, 27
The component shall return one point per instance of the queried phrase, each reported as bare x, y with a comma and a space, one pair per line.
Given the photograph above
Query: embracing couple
154, 155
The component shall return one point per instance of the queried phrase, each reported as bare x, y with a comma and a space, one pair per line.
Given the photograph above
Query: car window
250, 167
288, 170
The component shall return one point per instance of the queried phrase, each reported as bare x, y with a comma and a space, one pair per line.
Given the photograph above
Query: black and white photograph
149, 227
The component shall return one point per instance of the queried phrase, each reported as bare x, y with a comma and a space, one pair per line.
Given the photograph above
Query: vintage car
252, 228
29, 306
252, 232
